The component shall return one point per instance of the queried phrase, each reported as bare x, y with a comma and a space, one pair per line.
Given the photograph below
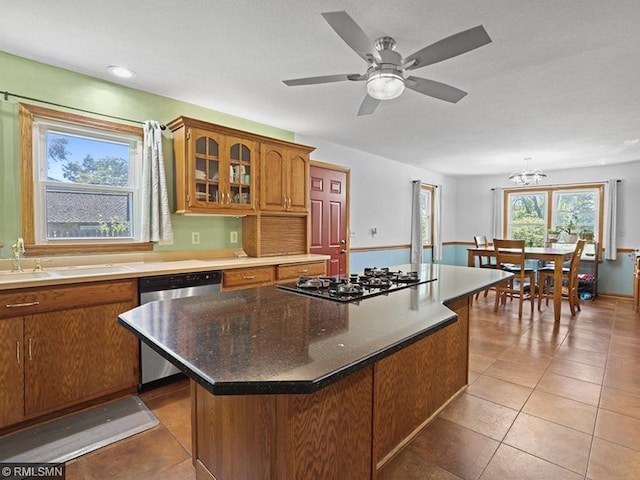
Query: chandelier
526, 176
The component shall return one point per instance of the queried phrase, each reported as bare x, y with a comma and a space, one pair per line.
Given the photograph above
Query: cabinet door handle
248, 277
303, 270
18, 305
18, 351
30, 356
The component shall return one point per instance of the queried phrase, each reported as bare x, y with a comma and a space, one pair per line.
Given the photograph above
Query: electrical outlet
352, 234
195, 238
233, 237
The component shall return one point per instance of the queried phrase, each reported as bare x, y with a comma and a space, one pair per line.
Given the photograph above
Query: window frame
429, 191
29, 197
549, 191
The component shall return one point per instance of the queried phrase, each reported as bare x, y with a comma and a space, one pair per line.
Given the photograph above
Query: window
528, 217
426, 214
564, 212
83, 180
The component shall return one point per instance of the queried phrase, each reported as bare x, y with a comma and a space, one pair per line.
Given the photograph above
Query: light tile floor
545, 400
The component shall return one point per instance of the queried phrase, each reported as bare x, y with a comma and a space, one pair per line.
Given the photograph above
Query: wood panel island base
286, 386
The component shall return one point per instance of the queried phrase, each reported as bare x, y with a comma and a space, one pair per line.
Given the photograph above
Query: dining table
548, 254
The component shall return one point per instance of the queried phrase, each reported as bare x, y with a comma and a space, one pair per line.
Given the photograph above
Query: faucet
17, 248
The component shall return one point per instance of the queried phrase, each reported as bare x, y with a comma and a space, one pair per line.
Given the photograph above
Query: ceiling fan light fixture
384, 85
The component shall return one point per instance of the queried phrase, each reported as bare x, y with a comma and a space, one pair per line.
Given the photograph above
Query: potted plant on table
552, 234
571, 236
586, 234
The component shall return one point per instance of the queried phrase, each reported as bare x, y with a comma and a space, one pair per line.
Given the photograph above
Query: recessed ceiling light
121, 72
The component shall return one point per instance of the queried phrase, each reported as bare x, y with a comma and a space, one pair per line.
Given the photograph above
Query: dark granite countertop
268, 340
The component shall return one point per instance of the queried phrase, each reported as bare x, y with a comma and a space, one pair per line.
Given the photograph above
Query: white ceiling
560, 82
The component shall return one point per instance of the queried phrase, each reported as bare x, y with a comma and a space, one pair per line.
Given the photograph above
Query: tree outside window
569, 212
528, 221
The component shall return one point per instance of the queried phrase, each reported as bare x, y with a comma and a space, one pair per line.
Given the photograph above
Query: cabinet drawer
288, 272
47, 299
247, 277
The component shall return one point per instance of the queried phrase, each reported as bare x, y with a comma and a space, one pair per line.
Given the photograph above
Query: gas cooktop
373, 281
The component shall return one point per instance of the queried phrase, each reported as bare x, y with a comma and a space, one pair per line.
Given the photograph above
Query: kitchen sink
17, 276
91, 270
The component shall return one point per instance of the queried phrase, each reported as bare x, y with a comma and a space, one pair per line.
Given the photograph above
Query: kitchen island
287, 386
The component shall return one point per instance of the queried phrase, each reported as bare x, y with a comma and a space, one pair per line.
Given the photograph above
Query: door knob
343, 251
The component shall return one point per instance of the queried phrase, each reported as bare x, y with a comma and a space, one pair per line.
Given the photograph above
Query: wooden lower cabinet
238, 278
55, 359
288, 273
347, 430
12, 354
76, 354
325, 434
428, 373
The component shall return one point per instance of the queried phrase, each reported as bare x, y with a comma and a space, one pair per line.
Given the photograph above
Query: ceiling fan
385, 75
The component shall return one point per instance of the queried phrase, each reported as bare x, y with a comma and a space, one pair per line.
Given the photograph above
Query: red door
329, 217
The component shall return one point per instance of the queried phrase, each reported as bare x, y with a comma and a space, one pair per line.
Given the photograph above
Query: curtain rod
561, 184
9, 94
423, 183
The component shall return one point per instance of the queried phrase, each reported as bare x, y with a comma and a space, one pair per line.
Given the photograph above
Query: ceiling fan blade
438, 90
351, 33
448, 47
368, 105
323, 79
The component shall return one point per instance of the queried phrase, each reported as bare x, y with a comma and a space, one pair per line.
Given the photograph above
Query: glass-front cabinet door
207, 168
242, 170
223, 172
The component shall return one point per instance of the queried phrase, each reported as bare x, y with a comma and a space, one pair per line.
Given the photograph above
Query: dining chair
569, 275
484, 261
510, 256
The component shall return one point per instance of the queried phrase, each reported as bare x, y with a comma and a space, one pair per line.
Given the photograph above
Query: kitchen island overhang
293, 360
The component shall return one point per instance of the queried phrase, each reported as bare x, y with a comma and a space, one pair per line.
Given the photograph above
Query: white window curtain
416, 224
156, 218
437, 224
497, 214
610, 213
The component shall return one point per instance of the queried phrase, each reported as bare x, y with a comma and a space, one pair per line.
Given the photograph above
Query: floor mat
69, 437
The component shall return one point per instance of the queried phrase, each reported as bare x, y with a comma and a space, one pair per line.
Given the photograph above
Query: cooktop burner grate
373, 281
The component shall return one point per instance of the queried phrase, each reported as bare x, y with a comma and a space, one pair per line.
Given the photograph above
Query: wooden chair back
509, 251
481, 241
574, 267
484, 261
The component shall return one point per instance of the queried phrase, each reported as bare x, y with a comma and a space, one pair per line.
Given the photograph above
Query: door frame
347, 172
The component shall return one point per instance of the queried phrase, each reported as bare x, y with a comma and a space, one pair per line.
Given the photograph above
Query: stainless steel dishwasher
154, 368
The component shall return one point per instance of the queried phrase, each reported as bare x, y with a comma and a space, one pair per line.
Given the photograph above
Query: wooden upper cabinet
215, 171
220, 170
272, 178
298, 181
284, 179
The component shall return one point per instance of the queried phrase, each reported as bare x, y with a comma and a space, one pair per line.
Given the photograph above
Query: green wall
32, 79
